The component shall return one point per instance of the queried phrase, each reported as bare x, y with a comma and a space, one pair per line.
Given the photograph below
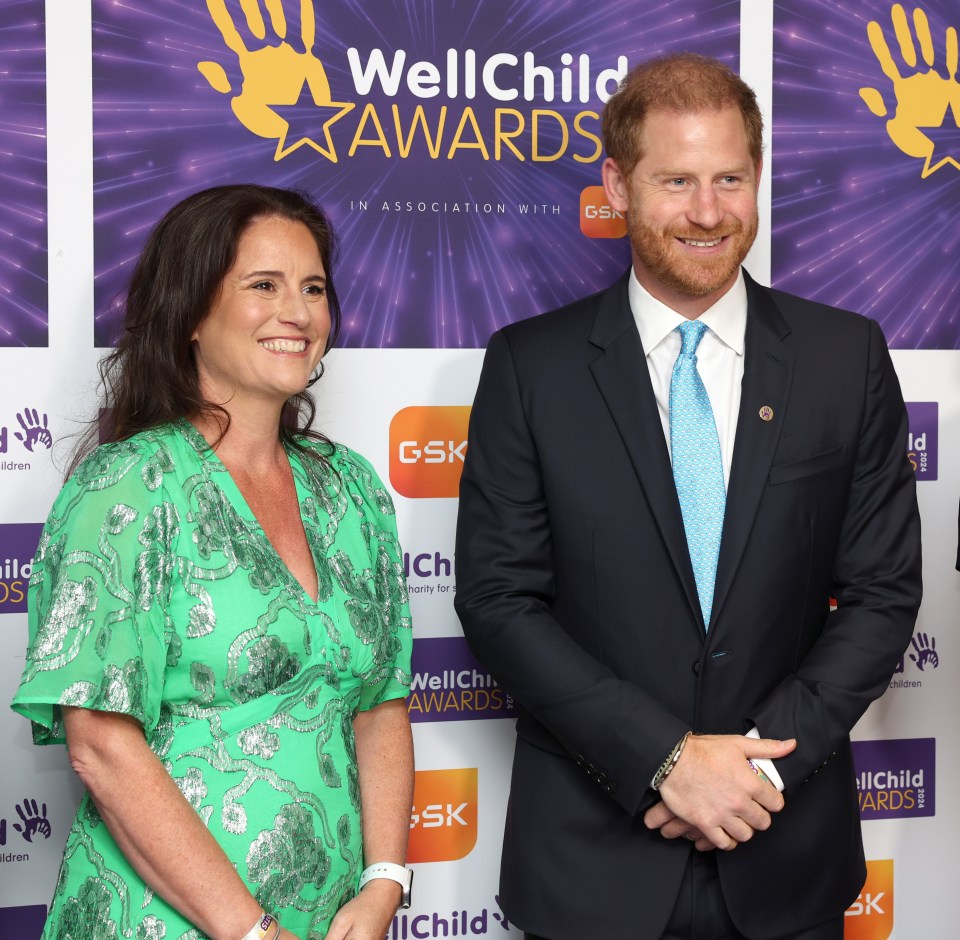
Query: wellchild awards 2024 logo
282, 73
18, 545
457, 923
922, 438
449, 146
450, 685
896, 778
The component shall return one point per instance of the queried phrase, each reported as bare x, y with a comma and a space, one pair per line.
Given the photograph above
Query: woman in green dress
219, 625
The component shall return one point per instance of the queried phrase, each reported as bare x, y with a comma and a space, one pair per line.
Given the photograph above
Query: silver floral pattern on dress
156, 594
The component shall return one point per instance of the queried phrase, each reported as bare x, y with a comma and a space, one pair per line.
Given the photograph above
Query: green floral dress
155, 593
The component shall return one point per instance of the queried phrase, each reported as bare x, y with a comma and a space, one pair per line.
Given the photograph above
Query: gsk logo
428, 445
598, 219
443, 824
870, 917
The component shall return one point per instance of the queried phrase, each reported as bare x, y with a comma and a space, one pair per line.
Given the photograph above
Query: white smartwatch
402, 876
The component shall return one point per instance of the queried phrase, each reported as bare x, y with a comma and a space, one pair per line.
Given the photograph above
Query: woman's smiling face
268, 327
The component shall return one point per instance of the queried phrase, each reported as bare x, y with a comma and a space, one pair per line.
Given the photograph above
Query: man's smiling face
691, 205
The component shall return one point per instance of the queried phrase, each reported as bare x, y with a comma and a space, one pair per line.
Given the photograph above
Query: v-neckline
225, 482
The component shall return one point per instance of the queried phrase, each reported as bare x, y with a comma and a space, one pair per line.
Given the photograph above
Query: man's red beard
694, 276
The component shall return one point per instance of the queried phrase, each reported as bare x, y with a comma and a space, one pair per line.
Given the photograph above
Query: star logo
301, 119
945, 138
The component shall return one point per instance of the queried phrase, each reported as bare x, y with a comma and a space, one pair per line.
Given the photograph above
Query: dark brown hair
682, 83
151, 377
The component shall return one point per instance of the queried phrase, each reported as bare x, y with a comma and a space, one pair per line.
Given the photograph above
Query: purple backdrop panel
23, 174
449, 141
866, 162
25, 923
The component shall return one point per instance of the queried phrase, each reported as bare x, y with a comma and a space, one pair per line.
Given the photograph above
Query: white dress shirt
720, 364
719, 356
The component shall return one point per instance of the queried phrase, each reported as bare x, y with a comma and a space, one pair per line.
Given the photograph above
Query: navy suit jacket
575, 588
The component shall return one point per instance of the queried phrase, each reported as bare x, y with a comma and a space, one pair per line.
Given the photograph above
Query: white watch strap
398, 873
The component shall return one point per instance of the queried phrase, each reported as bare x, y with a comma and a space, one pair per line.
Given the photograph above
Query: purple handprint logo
926, 651
35, 431
34, 820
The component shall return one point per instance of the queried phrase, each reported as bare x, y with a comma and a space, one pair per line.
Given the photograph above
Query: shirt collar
727, 318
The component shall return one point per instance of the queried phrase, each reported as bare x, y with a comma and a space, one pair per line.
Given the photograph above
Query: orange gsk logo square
427, 448
598, 219
870, 917
443, 824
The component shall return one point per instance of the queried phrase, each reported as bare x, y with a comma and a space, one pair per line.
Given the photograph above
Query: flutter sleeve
381, 618
98, 593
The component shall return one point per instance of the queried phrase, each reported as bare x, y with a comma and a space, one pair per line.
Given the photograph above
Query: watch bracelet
671, 761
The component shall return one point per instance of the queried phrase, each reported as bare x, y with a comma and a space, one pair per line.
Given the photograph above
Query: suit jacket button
696, 668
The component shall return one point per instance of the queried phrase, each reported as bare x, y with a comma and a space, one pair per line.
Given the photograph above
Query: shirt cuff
764, 764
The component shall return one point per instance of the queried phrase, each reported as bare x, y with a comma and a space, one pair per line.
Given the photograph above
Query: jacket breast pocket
808, 466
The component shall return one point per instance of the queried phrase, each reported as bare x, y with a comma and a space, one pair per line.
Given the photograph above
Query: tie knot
691, 333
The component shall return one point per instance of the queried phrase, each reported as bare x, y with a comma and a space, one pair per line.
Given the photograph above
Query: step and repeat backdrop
457, 148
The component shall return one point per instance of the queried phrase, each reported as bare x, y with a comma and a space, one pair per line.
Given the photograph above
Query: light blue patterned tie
697, 465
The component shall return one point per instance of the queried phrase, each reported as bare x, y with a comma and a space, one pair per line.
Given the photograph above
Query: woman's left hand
367, 916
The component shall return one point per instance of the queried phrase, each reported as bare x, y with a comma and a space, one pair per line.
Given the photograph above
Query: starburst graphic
23, 175
864, 194
451, 223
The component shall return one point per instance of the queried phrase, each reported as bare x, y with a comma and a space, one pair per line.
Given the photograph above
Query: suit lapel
623, 379
768, 369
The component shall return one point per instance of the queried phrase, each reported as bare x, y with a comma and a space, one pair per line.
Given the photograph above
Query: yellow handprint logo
275, 75
926, 100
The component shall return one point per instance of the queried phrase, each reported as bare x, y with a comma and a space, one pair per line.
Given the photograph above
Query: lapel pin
766, 413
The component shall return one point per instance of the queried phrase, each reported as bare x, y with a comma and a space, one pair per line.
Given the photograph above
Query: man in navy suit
650, 534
